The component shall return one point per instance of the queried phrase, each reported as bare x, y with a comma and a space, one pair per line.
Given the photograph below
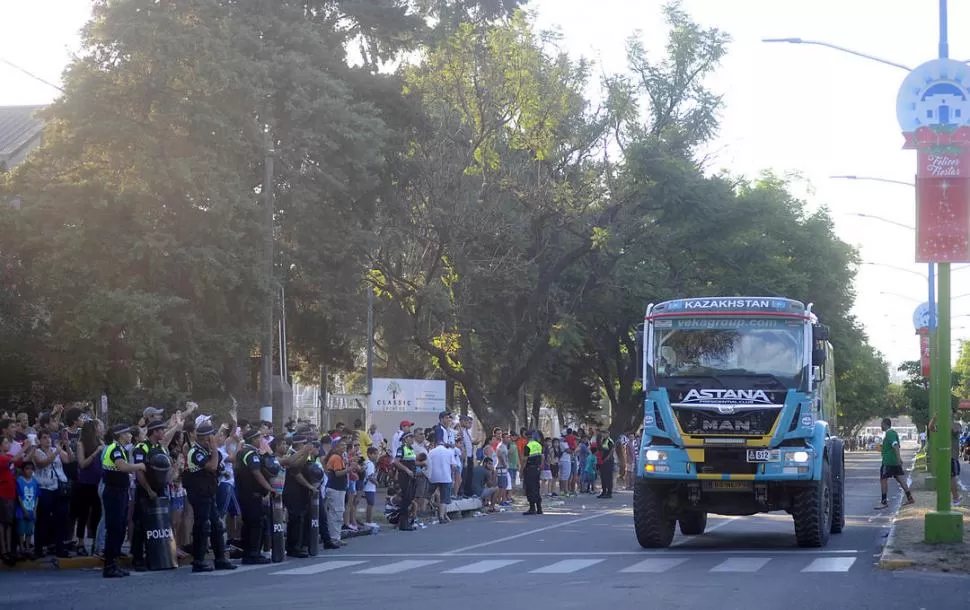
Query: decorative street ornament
933, 109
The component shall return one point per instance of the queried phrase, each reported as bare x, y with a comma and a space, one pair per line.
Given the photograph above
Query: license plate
726, 485
757, 456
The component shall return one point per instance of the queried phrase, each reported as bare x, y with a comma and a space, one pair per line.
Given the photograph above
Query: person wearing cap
403, 428
201, 484
251, 486
405, 461
443, 432
530, 475
115, 469
148, 483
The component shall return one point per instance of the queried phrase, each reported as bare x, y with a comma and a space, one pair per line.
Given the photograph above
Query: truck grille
706, 422
725, 461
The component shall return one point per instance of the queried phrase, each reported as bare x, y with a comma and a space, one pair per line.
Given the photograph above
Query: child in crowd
370, 485
589, 473
27, 493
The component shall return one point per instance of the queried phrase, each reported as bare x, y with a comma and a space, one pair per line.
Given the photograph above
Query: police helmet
160, 462
313, 473
271, 466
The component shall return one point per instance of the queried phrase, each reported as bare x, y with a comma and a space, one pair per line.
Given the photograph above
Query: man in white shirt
370, 485
439, 463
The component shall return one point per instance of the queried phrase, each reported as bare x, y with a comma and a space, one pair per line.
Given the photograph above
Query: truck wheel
813, 512
838, 487
653, 524
693, 523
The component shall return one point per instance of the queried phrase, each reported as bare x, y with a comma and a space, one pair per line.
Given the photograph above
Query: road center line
531, 532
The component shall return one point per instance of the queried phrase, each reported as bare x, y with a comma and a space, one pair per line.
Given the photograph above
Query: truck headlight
653, 455
799, 456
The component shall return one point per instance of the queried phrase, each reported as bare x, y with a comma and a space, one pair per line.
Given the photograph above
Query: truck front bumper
727, 464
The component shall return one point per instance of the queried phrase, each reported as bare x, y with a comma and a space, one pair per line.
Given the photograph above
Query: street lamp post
944, 524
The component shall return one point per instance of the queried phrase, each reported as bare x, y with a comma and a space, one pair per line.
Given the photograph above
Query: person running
892, 464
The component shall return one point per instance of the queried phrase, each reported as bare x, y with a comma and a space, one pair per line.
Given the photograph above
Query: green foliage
513, 234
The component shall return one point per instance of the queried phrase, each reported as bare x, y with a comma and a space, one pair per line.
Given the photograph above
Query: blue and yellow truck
739, 418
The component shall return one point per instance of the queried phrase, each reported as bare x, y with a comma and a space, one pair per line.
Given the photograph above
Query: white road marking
653, 566
317, 568
239, 569
531, 532
400, 566
694, 552
741, 564
566, 566
830, 564
481, 567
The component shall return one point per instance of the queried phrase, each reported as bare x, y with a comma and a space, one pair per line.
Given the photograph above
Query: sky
787, 107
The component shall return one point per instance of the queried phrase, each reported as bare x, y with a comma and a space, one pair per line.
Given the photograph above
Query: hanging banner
942, 220
408, 395
924, 354
933, 110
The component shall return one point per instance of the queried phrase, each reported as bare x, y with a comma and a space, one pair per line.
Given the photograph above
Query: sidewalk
905, 547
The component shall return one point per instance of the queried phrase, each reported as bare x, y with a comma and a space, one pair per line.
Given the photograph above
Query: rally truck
739, 419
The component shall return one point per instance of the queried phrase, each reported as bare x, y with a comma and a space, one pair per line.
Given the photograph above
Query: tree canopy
443, 153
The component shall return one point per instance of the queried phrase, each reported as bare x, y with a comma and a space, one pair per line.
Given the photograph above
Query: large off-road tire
837, 451
652, 522
812, 512
693, 523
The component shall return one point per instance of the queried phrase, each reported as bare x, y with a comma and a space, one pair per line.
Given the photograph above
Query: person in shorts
369, 480
27, 494
892, 464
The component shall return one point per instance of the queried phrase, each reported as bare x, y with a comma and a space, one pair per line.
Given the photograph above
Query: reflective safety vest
533, 448
408, 454
111, 475
193, 468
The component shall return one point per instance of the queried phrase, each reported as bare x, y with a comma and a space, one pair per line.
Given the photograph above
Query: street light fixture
828, 45
888, 266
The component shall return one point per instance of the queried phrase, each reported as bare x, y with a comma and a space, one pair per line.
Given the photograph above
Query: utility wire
31, 74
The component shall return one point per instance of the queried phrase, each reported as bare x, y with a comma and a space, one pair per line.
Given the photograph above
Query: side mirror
819, 356
820, 332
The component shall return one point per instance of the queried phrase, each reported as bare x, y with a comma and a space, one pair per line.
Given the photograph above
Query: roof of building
18, 126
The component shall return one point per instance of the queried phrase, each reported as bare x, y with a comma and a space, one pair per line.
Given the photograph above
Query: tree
140, 231
490, 207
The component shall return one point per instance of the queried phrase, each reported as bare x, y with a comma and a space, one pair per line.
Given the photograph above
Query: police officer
251, 487
201, 484
405, 462
296, 499
150, 483
530, 475
115, 469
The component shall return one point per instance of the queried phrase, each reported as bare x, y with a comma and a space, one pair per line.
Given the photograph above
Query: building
20, 132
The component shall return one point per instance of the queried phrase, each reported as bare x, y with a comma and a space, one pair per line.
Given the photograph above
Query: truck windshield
729, 348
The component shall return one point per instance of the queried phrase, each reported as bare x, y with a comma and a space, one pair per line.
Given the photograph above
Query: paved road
579, 555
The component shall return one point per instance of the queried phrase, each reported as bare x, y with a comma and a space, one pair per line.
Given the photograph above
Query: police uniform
201, 486
249, 494
114, 499
606, 467
143, 453
530, 476
296, 499
405, 480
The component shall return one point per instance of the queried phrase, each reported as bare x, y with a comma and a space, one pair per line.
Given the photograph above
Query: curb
886, 560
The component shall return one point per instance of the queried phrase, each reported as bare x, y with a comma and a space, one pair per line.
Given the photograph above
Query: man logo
314, 523
726, 426
279, 528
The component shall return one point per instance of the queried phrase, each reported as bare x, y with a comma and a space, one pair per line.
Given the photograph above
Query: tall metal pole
266, 349
934, 378
944, 525
370, 339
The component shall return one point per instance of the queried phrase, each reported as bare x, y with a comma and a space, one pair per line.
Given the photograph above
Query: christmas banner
942, 220
924, 354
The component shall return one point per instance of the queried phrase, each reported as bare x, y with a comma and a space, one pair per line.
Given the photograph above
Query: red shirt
8, 478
